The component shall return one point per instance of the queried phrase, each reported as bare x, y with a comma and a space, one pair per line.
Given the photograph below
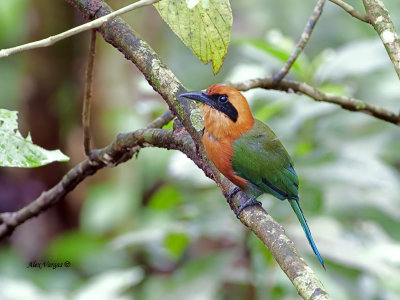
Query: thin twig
305, 36
73, 31
351, 10
88, 93
383, 25
161, 120
345, 102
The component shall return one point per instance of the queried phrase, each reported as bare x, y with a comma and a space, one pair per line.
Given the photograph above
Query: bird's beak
199, 96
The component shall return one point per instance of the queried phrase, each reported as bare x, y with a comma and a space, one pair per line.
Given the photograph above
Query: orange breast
220, 152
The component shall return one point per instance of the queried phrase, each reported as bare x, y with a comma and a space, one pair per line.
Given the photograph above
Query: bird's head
223, 106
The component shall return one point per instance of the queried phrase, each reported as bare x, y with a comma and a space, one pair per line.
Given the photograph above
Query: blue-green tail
299, 213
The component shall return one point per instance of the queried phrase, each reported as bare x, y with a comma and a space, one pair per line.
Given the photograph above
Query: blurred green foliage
155, 227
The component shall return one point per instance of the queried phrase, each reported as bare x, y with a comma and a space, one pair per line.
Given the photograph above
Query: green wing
261, 159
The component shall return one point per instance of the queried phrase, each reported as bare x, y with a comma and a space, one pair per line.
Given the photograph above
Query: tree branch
88, 93
305, 36
73, 31
345, 102
380, 20
351, 10
274, 237
122, 149
161, 120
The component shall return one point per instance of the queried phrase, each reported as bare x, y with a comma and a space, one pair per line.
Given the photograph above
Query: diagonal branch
345, 102
305, 36
383, 25
73, 31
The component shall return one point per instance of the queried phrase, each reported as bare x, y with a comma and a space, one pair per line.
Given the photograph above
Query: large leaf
17, 151
203, 25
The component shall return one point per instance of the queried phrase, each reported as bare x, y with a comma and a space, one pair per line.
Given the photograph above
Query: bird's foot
249, 202
232, 193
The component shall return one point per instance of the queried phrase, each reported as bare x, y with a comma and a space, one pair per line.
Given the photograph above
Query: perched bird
247, 151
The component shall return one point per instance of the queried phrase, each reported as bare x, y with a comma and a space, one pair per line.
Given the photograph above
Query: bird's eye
223, 98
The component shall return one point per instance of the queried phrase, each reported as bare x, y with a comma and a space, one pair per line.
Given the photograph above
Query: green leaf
165, 198
17, 151
204, 26
176, 243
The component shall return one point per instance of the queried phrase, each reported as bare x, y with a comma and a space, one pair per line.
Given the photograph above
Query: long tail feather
299, 213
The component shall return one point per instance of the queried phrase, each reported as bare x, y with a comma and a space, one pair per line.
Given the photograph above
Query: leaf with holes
204, 26
17, 151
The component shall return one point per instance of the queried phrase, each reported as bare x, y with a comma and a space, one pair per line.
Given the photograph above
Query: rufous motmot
247, 151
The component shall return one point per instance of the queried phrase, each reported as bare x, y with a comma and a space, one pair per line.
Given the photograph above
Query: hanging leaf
17, 151
204, 26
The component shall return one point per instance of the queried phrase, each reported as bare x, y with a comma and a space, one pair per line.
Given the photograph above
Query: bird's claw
232, 193
250, 202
